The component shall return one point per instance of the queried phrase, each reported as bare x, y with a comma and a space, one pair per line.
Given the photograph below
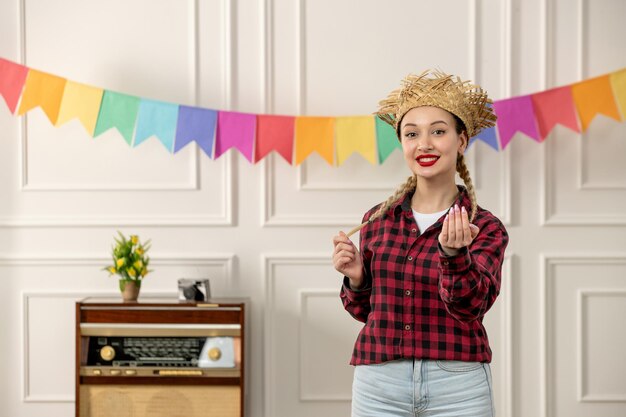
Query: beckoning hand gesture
457, 231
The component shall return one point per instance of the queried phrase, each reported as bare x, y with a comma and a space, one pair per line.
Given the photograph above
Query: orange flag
618, 81
43, 90
594, 96
314, 134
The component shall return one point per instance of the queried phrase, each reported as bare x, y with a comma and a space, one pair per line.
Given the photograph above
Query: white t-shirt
425, 220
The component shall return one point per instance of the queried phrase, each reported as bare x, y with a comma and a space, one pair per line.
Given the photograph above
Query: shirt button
413, 230
407, 327
408, 292
410, 258
446, 263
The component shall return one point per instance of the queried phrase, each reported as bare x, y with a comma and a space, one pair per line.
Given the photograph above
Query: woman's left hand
457, 231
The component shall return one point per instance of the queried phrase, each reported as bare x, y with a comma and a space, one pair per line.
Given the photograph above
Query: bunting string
294, 138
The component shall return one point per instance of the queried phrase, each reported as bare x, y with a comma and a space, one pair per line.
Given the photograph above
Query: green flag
386, 139
118, 111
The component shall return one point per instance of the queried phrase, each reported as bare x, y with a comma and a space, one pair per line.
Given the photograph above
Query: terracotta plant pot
130, 290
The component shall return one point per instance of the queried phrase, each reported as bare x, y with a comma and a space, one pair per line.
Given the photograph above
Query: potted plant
130, 262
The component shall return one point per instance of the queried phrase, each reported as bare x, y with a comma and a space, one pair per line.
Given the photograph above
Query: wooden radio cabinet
160, 357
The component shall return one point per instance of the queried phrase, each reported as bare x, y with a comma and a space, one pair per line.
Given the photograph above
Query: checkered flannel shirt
417, 302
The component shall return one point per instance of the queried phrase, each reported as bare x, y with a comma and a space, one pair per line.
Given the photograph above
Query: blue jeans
422, 388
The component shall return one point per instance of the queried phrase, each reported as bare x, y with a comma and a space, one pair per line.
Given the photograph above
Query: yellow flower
112, 270
120, 262
138, 264
134, 239
140, 250
132, 272
144, 272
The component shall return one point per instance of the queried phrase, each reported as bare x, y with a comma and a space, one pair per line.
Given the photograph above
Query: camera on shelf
190, 289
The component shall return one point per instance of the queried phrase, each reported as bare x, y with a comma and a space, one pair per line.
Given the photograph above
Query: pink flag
515, 114
555, 106
235, 130
274, 133
12, 79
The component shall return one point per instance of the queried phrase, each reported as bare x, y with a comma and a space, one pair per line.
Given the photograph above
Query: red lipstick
427, 160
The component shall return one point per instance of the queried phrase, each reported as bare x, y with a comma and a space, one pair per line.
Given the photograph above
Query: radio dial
107, 353
215, 354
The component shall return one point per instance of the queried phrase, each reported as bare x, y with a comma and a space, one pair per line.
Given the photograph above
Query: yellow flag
618, 81
594, 96
314, 134
356, 134
45, 90
82, 101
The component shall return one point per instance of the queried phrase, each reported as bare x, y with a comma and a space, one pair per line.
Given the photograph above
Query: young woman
429, 264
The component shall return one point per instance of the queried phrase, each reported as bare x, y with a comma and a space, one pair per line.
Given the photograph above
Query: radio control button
215, 353
115, 372
130, 372
107, 353
96, 372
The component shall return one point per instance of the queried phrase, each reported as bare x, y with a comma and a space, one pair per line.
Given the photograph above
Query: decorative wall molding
224, 218
583, 139
269, 263
305, 295
548, 217
547, 261
582, 336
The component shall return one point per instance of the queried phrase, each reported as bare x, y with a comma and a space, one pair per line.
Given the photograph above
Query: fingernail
463, 209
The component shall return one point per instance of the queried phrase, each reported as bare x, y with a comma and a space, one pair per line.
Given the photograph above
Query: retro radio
159, 358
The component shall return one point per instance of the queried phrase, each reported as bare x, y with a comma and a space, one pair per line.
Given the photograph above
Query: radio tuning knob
215, 353
107, 353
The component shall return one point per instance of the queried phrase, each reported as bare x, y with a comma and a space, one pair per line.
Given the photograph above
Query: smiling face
431, 143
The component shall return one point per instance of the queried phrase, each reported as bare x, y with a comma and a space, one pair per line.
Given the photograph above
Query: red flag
274, 133
12, 79
555, 106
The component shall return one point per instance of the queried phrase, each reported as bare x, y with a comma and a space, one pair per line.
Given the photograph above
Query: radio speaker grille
159, 401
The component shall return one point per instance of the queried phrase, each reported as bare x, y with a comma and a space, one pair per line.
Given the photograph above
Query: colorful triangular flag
314, 134
515, 115
43, 90
12, 79
594, 96
355, 134
81, 101
196, 124
274, 133
159, 119
119, 111
235, 130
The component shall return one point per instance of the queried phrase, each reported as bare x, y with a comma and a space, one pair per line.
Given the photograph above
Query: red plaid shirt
418, 302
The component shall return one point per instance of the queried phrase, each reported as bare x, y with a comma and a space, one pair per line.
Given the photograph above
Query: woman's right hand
347, 260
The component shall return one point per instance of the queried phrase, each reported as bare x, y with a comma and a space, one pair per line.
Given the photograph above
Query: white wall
264, 231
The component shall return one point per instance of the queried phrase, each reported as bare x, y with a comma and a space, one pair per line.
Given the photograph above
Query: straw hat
467, 101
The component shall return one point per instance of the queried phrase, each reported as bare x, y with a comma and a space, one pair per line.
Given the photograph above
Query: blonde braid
409, 185
465, 176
